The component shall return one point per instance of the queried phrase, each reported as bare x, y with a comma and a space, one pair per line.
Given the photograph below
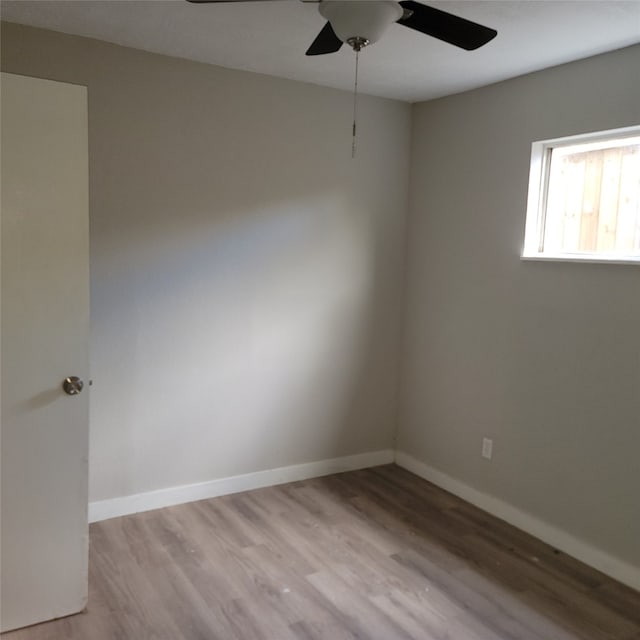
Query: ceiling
271, 38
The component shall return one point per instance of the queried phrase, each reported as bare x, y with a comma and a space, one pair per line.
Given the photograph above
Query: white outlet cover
487, 448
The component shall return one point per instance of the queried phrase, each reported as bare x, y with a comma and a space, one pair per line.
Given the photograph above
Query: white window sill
568, 257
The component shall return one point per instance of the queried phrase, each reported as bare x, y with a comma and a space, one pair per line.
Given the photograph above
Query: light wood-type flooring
378, 554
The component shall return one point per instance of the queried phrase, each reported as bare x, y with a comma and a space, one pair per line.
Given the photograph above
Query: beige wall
246, 274
542, 357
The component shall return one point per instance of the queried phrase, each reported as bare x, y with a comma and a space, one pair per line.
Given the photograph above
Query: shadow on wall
242, 339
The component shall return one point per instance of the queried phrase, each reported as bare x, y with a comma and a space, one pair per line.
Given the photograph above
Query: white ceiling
271, 38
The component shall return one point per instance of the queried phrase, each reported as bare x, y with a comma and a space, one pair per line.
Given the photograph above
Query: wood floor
377, 554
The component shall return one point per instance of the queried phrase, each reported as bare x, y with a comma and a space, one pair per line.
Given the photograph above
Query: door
45, 329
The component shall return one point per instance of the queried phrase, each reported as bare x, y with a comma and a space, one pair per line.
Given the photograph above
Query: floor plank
377, 553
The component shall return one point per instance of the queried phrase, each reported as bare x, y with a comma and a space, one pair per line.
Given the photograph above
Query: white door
45, 329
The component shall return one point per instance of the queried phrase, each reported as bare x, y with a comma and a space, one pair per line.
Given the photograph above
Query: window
584, 198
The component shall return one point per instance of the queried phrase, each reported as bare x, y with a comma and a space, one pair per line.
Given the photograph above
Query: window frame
540, 165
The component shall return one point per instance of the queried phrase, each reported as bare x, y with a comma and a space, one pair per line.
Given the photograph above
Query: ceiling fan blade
326, 42
445, 26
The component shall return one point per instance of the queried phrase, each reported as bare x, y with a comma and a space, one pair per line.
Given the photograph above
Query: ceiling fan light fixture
360, 21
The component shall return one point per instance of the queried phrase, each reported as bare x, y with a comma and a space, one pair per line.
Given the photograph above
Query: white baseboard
557, 538
105, 509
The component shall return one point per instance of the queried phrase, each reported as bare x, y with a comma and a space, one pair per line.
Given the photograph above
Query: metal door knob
72, 385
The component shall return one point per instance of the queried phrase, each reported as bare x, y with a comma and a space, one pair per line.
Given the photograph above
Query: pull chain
355, 107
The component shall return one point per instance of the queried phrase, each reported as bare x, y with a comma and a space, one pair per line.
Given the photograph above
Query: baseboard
126, 505
557, 538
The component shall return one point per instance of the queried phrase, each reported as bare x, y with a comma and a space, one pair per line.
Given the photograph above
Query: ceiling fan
362, 22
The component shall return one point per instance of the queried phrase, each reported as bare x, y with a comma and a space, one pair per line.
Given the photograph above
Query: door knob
72, 385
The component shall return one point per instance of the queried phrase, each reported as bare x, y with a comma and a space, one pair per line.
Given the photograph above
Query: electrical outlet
487, 448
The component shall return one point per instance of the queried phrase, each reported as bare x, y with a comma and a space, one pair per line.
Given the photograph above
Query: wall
542, 357
246, 273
